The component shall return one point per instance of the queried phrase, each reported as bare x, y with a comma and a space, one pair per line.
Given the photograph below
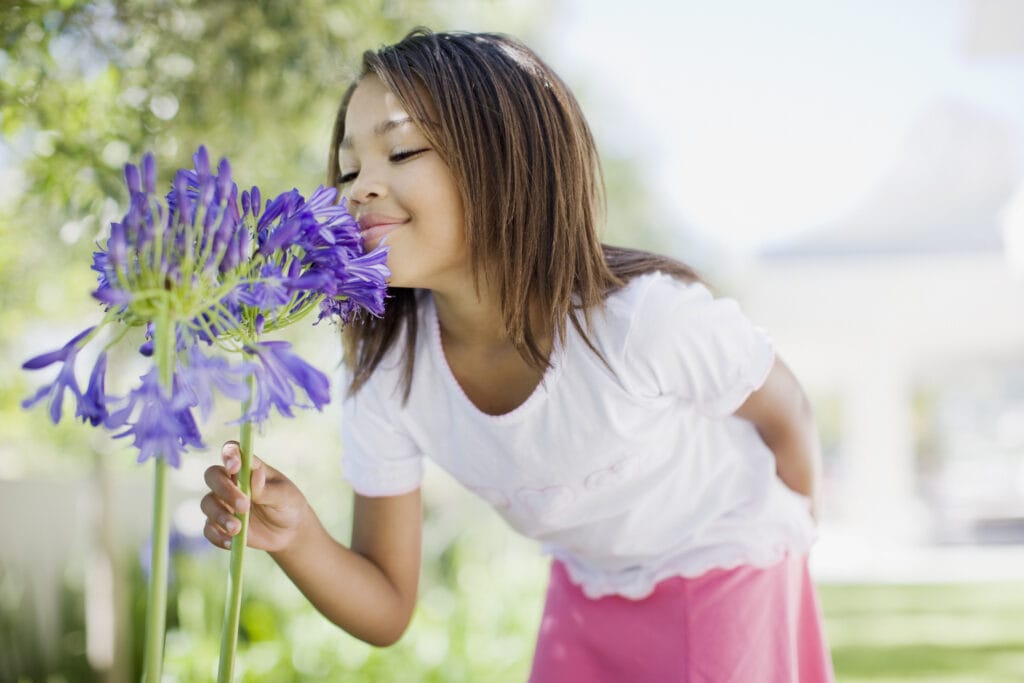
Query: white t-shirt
628, 476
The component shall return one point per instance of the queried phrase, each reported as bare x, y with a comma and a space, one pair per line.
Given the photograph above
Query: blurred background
852, 172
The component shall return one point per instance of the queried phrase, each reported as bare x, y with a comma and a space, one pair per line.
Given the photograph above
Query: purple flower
201, 159
360, 283
295, 222
65, 378
342, 309
278, 370
146, 348
164, 426
148, 173
336, 224
266, 292
202, 374
131, 178
103, 262
191, 253
254, 198
92, 405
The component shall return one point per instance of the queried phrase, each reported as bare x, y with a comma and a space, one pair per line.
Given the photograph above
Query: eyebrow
382, 128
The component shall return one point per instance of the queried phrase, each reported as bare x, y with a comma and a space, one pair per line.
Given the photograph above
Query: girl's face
400, 190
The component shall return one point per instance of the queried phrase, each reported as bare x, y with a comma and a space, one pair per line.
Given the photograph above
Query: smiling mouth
372, 235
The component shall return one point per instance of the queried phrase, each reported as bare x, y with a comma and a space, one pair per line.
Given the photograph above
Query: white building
905, 319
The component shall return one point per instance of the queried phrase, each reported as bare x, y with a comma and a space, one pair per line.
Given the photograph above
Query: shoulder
683, 340
646, 299
637, 309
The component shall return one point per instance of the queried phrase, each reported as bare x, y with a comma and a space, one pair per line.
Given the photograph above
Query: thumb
257, 478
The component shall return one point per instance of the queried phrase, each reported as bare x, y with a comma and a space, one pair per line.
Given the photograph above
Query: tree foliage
87, 86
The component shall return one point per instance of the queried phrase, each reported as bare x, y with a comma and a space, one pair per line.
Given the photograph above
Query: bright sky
756, 120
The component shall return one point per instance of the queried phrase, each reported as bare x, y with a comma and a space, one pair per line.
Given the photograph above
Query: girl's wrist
303, 533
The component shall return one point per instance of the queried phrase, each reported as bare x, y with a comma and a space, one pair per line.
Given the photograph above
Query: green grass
928, 633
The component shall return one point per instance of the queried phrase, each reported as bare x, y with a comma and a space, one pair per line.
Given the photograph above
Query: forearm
345, 586
797, 451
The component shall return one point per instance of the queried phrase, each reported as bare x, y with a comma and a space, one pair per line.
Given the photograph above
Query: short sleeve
379, 458
684, 342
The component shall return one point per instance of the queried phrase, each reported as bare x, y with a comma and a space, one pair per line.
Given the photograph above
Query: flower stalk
207, 269
156, 604
233, 604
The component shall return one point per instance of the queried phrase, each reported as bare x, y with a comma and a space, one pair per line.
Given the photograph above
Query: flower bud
148, 173
255, 199
131, 178
202, 162
224, 183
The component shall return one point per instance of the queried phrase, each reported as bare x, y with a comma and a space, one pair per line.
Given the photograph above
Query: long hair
525, 163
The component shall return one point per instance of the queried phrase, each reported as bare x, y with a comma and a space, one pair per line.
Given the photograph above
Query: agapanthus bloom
207, 268
216, 269
160, 421
65, 378
278, 374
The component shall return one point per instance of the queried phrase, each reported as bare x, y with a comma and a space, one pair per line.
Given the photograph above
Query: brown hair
525, 163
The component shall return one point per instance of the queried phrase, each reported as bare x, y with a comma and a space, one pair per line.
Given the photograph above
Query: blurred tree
87, 86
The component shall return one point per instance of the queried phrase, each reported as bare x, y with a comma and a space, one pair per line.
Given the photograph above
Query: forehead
372, 111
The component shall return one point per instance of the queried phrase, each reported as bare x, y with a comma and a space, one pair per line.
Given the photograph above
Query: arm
782, 415
369, 589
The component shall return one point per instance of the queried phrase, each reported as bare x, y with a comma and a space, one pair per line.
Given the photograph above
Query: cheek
454, 214
447, 220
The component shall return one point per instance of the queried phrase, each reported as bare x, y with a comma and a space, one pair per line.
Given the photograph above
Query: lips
375, 226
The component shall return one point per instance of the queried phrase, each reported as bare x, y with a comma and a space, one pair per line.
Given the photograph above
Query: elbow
388, 635
386, 642
387, 629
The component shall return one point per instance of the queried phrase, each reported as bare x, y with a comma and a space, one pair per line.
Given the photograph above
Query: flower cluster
208, 267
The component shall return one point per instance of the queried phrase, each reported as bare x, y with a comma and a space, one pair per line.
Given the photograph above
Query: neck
469, 319
473, 321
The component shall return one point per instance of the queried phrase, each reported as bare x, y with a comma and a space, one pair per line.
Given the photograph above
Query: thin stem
156, 604
165, 343
233, 606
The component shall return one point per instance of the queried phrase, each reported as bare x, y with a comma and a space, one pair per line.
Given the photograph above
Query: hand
277, 507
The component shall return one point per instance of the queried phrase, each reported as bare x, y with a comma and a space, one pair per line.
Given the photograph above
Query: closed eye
402, 156
396, 158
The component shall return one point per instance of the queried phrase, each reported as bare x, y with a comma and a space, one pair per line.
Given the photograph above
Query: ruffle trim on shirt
639, 583
755, 373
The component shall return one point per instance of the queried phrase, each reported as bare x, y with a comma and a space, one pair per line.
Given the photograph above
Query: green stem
233, 606
156, 604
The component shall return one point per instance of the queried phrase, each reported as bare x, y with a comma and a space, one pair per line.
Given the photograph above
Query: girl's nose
365, 188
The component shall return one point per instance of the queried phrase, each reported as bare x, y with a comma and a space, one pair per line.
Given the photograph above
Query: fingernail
227, 544
231, 524
242, 506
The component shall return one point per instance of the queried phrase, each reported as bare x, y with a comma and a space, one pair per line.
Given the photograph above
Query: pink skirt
742, 625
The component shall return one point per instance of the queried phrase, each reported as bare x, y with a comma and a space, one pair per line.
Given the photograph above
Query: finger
215, 535
221, 485
258, 479
231, 454
218, 513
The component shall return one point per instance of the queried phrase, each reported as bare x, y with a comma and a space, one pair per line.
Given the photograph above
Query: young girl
601, 399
